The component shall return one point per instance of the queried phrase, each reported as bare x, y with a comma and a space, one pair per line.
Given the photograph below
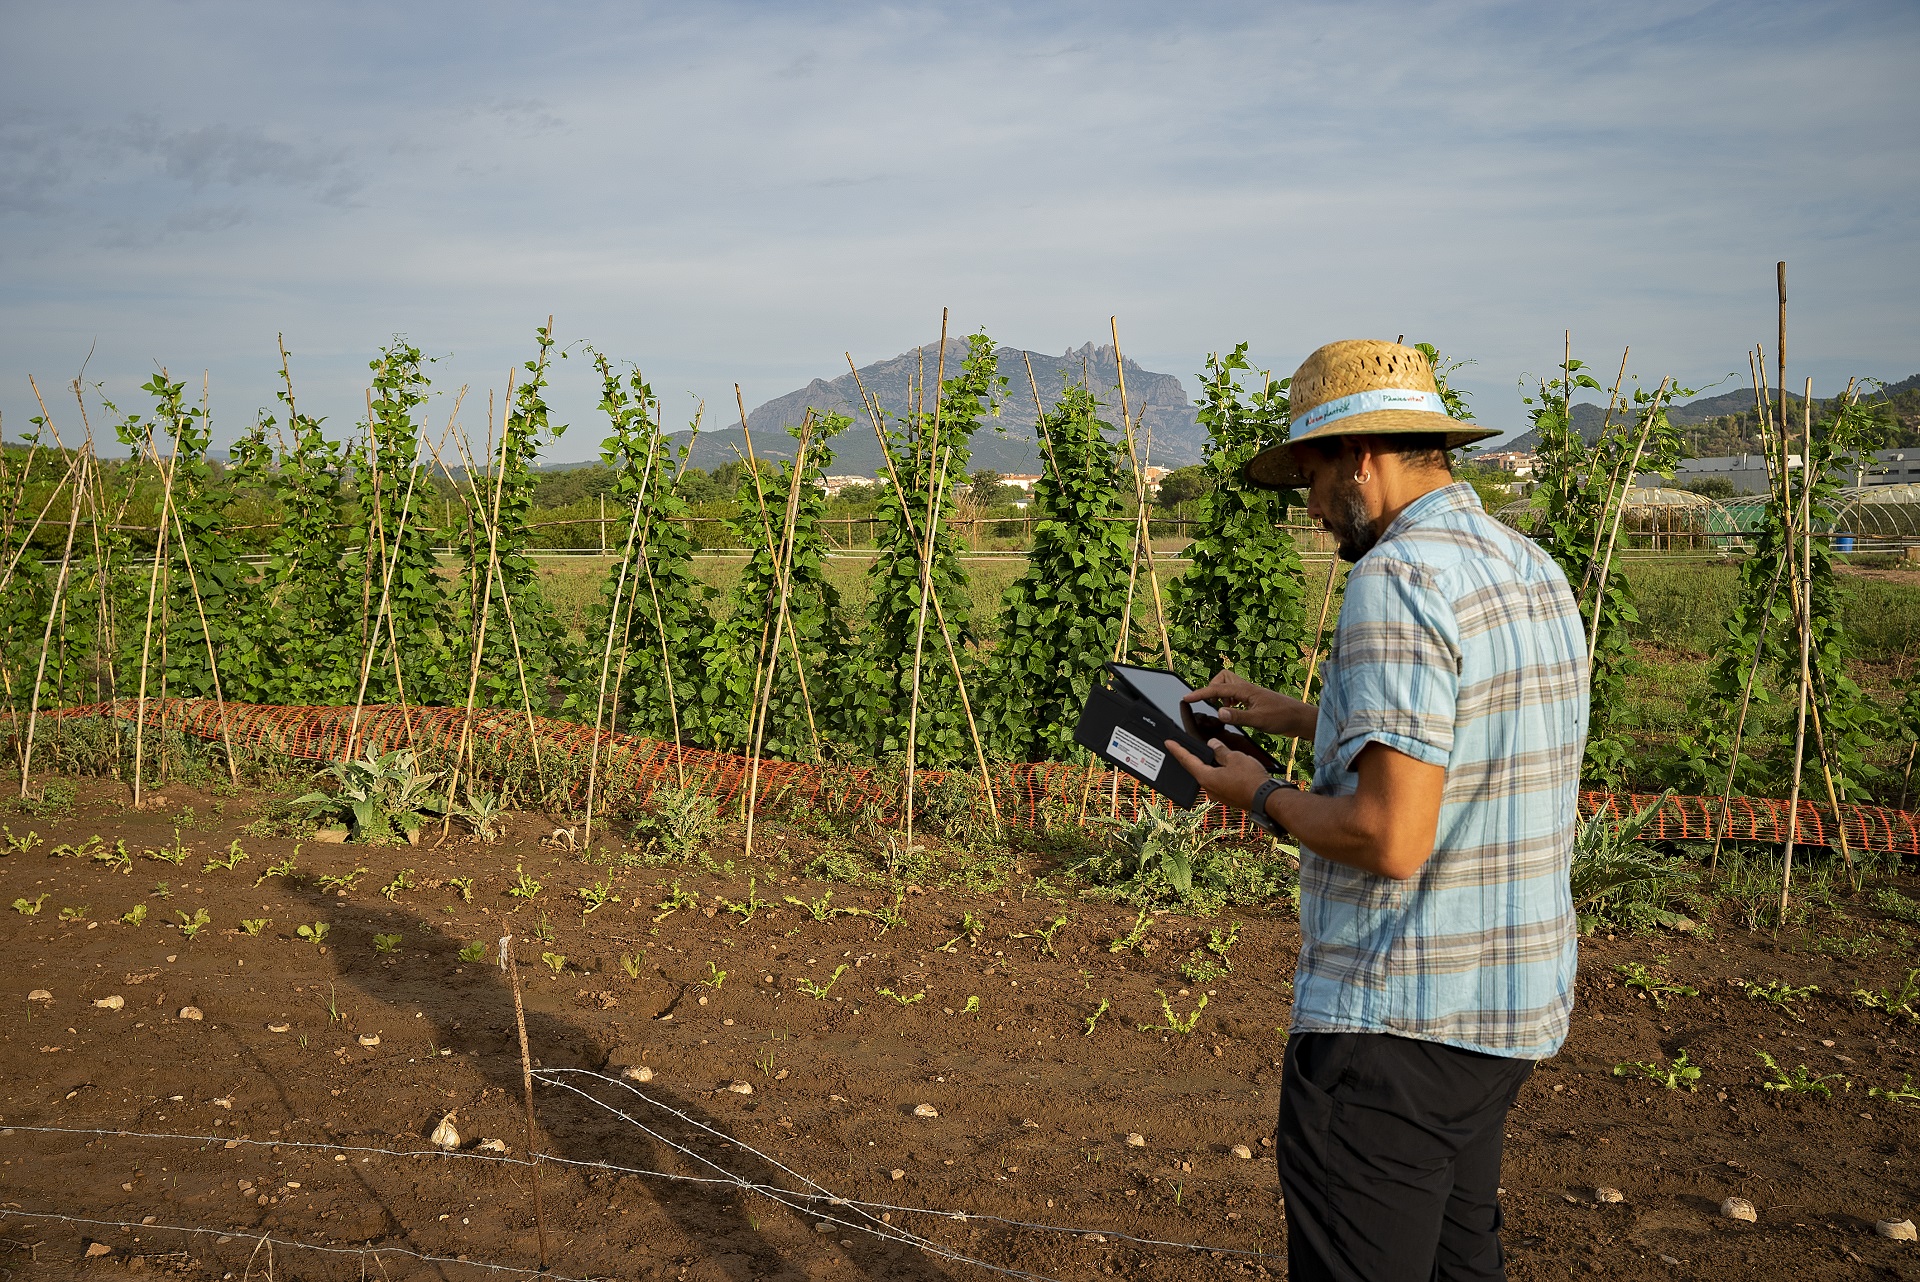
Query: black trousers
1389, 1152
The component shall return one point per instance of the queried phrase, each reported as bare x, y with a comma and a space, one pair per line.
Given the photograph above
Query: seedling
891, 915
386, 944
29, 907
74, 914
746, 909
820, 909
556, 962
1679, 1075
333, 1006
972, 929
524, 885
1902, 1094
284, 869
254, 925
971, 1008
1903, 1001
192, 926
596, 895
463, 885
85, 848
135, 916
764, 1062
630, 962
336, 882
402, 880
1046, 935
904, 1001
1093, 1019
233, 858
161, 890
542, 930
1800, 1081
1174, 1023
1780, 995
1134, 938
819, 991
176, 854
1638, 976
20, 845
315, 934
474, 952
675, 901
716, 977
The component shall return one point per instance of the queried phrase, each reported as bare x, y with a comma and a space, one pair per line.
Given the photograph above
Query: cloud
745, 191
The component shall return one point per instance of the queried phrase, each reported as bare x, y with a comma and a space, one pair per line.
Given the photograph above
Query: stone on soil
1604, 1194
115, 1002
1898, 1230
925, 1110
1136, 1140
1738, 1208
1242, 1152
191, 1012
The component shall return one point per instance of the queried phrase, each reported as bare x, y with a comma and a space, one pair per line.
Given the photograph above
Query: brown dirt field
1033, 1115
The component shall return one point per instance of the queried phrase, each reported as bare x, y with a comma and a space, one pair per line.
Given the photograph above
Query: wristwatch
1258, 808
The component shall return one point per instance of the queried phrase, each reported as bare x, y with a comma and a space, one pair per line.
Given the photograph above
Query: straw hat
1359, 387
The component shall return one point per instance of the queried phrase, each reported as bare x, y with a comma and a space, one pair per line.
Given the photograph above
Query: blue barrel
1843, 543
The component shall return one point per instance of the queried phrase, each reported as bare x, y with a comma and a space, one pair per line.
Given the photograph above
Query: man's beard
1347, 520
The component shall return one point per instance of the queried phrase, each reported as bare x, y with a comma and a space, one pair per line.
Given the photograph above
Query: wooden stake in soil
146, 640
480, 629
526, 1081
1806, 646
53, 612
1619, 510
1145, 529
606, 654
782, 570
937, 476
1313, 655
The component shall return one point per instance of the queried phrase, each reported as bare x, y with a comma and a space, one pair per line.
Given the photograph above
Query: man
1437, 935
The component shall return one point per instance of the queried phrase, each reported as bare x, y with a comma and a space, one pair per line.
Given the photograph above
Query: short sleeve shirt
1459, 644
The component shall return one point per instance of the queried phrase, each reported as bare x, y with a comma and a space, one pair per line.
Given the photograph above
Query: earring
1361, 478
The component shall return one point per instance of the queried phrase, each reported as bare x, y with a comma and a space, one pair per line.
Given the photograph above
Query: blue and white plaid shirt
1459, 643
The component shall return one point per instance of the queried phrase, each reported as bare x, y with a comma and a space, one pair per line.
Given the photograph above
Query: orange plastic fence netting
1023, 794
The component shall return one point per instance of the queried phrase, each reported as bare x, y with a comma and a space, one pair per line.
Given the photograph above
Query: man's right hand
1242, 703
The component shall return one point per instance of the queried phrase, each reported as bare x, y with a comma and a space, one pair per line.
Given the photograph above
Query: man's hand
1232, 781
1242, 703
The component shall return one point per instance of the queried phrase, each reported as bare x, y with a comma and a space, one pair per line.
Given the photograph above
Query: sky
724, 193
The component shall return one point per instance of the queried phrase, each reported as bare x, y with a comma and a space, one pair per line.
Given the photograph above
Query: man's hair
1416, 449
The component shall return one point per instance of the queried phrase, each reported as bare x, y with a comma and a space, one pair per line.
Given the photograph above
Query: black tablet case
1125, 730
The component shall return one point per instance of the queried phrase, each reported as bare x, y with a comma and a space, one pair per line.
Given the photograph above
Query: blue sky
724, 192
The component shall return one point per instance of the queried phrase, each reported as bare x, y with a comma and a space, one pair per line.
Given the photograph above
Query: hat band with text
1388, 398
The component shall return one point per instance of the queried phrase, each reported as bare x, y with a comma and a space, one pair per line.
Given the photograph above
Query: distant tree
1183, 485
1713, 487
990, 491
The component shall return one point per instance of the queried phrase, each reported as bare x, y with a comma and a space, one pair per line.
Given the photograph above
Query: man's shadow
472, 1014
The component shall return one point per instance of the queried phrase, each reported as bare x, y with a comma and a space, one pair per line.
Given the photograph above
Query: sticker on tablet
1135, 753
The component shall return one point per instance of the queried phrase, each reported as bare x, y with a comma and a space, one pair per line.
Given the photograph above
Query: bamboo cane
1313, 655
153, 592
480, 630
103, 569
1806, 647
659, 621
386, 596
606, 654
1620, 511
1140, 494
935, 492
782, 577
46, 642
779, 579
872, 405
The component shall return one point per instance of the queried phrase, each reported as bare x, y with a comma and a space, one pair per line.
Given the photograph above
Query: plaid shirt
1459, 643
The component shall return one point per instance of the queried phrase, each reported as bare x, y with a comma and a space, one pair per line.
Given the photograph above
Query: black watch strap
1259, 807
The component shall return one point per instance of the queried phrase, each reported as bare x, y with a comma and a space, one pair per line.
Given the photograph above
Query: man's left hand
1232, 781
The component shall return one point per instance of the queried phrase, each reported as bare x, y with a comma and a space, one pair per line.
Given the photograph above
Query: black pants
1389, 1152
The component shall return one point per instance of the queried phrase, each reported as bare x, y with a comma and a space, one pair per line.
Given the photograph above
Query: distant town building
1518, 462
1748, 473
834, 484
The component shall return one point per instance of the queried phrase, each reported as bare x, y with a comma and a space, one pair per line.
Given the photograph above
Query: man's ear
1360, 456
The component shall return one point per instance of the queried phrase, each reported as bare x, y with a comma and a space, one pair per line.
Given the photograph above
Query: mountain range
1164, 418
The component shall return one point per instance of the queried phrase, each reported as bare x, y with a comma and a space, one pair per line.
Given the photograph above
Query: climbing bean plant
1061, 618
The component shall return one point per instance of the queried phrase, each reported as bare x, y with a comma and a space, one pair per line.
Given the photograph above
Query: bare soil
1033, 1113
